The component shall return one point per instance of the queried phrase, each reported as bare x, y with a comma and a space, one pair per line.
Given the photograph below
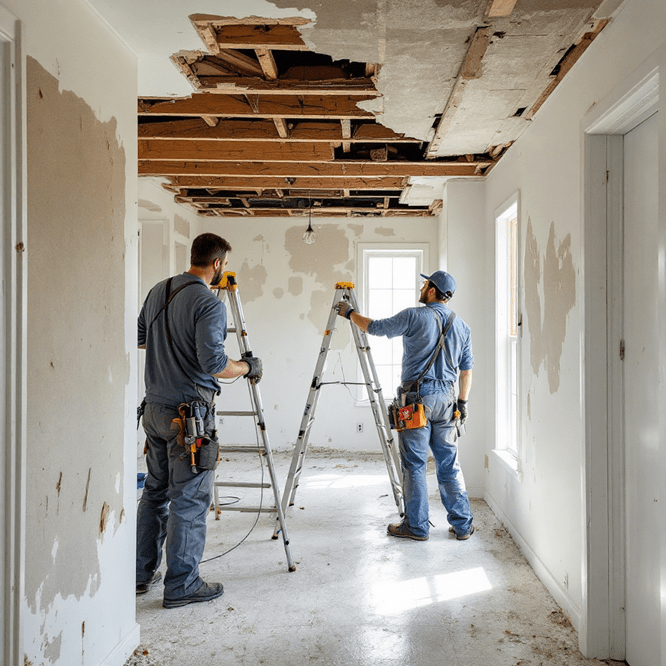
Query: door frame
603, 628
15, 268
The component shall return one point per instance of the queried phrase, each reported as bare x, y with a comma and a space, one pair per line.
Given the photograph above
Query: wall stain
278, 292
85, 497
385, 231
51, 648
59, 484
356, 228
104, 516
295, 286
320, 261
547, 323
251, 282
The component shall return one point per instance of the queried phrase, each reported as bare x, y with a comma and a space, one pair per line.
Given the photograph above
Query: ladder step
242, 449
248, 509
241, 484
245, 413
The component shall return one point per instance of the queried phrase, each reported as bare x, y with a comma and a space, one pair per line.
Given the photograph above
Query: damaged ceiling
364, 110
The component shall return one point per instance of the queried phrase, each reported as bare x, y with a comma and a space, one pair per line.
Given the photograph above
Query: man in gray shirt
182, 327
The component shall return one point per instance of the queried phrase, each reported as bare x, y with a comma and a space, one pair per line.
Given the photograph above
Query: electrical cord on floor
261, 505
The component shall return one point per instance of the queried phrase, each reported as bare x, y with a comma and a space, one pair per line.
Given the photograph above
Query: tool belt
202, 447
404, 416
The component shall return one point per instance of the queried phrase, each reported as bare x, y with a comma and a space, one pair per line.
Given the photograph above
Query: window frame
507, 341
363, 251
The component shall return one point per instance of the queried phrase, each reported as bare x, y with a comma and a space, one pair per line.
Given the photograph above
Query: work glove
256, 368
344, 309
461, 406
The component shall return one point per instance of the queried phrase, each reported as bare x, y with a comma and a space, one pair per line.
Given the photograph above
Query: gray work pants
173, 506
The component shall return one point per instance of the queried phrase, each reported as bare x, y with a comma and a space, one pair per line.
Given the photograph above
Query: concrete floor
358, 597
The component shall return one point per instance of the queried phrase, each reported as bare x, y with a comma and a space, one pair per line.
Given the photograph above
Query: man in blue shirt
182, 327
420, 329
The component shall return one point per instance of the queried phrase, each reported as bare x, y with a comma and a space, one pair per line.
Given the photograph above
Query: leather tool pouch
208, 454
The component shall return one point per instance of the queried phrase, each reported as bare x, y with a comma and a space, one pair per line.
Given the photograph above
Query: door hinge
621, 350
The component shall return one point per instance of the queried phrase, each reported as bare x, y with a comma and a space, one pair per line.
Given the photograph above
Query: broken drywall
547, 316
78, 363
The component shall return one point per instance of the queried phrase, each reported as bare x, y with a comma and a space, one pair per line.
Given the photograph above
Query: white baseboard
122, 652
561, 597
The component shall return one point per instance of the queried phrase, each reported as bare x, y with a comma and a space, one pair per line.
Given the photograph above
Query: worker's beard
217, 277
423, 298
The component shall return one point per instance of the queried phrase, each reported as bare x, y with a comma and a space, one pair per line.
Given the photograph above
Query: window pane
380, 273
380, 348
403, 298
381, 304
404, 272
392, 284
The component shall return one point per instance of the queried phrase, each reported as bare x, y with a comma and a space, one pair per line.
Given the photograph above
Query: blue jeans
440, 435
173, 506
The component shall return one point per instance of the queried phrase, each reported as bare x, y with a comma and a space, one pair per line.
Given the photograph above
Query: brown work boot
401, 531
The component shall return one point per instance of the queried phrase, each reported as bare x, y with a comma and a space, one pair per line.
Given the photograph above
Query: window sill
510, 462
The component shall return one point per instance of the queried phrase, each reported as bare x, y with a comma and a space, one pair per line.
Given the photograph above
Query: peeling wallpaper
554, 277
78, 366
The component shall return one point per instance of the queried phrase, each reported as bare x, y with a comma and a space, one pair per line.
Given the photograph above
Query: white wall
79, 604
546, 512
466, 251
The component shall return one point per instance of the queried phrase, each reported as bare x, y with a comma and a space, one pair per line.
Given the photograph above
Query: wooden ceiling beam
297, 212
270, 106
500, 8
267, 62
267, 130
252, 37
304, 183
470, 69
239, 62
337, 169
236, 151
220, 84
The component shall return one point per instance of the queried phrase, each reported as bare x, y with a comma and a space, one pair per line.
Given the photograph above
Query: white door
641, 404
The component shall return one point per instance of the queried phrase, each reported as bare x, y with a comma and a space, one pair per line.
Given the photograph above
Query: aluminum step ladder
344, 291
228, 288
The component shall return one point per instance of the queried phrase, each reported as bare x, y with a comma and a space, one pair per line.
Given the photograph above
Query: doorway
642, 478
621, 323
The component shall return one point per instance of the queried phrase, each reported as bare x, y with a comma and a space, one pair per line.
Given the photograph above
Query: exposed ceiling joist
337, 169
257, 106
265, 130
275, 130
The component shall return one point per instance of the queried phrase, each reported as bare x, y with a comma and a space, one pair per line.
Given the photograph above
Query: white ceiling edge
156, 29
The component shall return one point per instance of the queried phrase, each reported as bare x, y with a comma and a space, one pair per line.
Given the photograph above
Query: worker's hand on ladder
343, 308
256, 368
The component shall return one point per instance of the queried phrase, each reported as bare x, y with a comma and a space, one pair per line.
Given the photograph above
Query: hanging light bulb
309, 236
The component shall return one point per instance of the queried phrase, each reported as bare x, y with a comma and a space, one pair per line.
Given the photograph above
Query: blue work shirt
198, 325
420, 334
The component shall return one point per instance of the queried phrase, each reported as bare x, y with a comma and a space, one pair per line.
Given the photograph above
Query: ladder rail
345, 291
233, 298
298, 458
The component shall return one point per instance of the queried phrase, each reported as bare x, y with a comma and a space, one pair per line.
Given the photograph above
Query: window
391, 281
508, 329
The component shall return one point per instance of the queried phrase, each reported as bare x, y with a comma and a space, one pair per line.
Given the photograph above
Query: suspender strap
440, 345
165, 308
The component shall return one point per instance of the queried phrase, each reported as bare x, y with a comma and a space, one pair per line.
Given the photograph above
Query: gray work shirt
198, 324
420, 334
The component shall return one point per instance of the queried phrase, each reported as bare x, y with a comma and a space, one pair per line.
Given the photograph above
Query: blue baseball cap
442, 280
